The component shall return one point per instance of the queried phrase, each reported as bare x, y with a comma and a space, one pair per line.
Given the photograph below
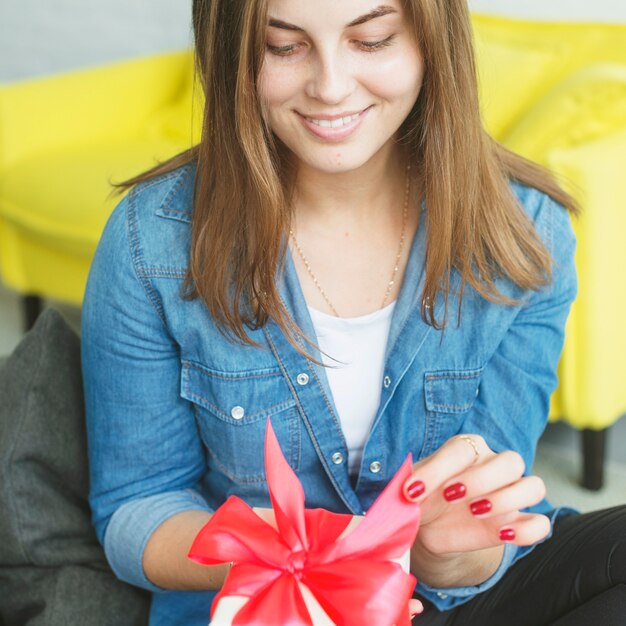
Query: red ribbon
353, 578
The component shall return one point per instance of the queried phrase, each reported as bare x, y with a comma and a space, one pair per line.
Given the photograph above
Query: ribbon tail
362, 592
279, 604
286, 493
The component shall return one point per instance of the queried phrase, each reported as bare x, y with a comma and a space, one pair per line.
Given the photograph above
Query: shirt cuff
132, 525
448, 597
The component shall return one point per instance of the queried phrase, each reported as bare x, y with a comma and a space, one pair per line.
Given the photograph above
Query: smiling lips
334, 127
335, 123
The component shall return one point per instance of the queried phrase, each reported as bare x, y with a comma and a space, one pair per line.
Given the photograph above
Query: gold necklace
396, 265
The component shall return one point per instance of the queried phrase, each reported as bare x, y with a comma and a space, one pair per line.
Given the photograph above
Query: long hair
242, 207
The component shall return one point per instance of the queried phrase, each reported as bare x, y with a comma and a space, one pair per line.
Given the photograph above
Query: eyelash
365, 46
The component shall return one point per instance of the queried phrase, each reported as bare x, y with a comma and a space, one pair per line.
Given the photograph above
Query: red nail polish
415, 489
480, 507
454, 492
507, 534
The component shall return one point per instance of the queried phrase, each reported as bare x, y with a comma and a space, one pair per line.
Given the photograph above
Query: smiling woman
301, 263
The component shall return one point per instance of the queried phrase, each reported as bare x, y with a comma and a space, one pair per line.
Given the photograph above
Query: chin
335, 162
336, 168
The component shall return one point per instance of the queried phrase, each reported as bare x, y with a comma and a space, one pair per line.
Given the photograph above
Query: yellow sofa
554, 92
63, 140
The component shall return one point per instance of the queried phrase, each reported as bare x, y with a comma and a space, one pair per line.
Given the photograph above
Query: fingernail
415, 489
454, 492
507, 534
480, 507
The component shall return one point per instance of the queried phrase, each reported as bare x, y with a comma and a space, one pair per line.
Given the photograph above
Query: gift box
310, 567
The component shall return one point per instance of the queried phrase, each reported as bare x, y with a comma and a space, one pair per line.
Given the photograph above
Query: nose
332, 79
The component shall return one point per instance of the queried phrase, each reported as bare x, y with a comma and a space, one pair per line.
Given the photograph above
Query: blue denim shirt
176, 412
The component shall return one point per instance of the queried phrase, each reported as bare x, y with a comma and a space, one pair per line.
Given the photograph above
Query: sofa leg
594, 448
32, 306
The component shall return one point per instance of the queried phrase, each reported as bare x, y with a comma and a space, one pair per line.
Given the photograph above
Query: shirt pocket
448, 396
232, 409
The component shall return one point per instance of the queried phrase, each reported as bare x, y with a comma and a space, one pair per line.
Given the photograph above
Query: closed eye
282, 51
373, 46
365, 46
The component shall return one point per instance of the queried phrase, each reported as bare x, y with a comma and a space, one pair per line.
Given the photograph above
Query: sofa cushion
43, 461
74, 595
46, 537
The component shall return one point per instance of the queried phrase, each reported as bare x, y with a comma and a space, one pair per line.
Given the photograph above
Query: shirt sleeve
146, 456
512, 406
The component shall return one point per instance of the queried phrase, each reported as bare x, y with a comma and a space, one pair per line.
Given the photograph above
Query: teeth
338, 123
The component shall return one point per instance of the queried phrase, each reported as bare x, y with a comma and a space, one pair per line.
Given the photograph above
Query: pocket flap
451, 391
239, 397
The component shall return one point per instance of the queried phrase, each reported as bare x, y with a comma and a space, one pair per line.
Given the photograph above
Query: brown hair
241, 204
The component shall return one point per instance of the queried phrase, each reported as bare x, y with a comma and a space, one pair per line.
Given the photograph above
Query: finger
492, 474
519, 495
526, 530
415, 607
455, 456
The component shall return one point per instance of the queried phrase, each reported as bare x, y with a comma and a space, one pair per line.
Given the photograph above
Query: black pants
575, 578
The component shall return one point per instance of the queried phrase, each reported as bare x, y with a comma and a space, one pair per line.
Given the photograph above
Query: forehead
308, 14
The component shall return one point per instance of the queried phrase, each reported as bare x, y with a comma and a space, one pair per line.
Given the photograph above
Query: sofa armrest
77, 108
588, 105
578, 131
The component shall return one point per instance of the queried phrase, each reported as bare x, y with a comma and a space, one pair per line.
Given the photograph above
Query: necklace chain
396, 265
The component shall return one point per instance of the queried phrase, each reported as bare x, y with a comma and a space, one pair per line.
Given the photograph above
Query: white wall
42, 36
587, 10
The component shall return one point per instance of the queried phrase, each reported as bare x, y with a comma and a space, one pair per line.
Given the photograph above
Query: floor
558, 456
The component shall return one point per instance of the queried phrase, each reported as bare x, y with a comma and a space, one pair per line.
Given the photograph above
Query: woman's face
339, 78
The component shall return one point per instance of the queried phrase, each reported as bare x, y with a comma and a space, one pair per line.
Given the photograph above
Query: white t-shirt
354, 347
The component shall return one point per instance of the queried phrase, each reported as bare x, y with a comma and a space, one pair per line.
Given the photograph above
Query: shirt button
386, 382
441, 595
375, 467
337, 458
477, 391
302, 379
237, 412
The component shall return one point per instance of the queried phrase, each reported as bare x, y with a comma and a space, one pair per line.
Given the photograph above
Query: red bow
353, 578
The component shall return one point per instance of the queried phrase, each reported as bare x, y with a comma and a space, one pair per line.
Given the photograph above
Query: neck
352, 197
349, 234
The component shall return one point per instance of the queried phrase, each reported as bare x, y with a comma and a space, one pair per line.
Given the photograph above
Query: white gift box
229, 606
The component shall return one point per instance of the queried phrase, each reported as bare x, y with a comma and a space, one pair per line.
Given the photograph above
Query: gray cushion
52, 568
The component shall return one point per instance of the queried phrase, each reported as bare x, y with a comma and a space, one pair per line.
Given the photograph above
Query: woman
348, 252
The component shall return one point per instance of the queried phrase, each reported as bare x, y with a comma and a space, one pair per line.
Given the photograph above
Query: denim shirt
176, 411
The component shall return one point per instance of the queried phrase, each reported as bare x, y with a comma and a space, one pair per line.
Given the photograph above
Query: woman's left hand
471, 503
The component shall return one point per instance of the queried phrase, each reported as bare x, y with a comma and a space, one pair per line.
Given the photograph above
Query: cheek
277, 86
399, 79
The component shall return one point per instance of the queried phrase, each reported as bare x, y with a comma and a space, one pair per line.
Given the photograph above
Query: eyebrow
377, 12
